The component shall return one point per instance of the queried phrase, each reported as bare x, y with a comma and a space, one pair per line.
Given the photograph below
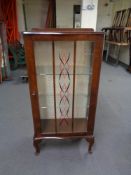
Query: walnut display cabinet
64, 70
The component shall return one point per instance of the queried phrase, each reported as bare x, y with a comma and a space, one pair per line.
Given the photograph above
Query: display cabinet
64, 70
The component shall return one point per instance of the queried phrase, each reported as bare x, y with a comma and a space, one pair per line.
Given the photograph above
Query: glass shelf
48, 70
44, 98
81, 106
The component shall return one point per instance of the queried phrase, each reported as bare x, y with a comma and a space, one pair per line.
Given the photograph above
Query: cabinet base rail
37, 140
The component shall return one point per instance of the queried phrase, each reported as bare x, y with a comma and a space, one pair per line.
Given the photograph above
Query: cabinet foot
90, 140
36, 144
129, 69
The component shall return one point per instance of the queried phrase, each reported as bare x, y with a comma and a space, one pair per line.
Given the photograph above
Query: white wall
105, 15
121, 4
20, 16
64, 13
89, 17
36, 12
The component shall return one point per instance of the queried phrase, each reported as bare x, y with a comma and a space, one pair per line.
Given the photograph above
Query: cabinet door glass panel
64, 71
44, 71
64, 56
84, 53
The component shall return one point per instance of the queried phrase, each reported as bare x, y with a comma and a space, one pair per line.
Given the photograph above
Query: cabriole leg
36, 144
90, 140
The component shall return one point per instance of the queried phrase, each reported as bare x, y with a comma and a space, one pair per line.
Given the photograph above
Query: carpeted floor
112, 150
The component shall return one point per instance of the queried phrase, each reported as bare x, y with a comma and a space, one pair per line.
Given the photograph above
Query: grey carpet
112, 150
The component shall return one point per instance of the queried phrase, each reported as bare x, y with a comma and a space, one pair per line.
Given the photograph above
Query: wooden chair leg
129, 67
118, 56
0, 75
107, 52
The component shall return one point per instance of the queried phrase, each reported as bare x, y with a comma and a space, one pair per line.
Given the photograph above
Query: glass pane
72, 91
84, 51
44, 70
64, 55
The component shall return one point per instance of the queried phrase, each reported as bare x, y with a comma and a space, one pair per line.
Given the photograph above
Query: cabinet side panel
30, 60
97, 58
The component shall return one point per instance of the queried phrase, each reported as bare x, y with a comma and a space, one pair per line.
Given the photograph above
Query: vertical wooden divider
54, 82
74, 76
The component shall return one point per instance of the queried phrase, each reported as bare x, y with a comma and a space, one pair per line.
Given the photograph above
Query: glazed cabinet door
63, 75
